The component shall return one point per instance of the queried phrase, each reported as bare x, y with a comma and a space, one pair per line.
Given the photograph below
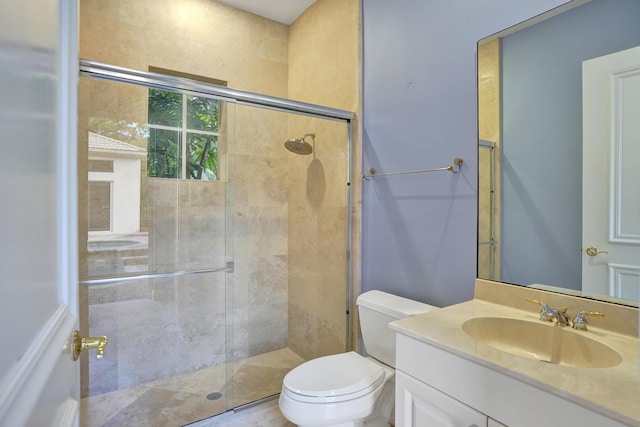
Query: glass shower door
156, 262
178, 191
290, 239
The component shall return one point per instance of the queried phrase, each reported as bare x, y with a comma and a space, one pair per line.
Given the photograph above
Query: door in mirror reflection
611, 153
530, 104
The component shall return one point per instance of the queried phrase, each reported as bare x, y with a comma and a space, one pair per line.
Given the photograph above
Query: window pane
202, 157
165, 108
202, 114
163, 154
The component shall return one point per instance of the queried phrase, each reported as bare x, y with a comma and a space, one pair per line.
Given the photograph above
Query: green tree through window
183, 136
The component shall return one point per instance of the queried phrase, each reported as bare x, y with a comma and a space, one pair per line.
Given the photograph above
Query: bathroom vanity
444, 374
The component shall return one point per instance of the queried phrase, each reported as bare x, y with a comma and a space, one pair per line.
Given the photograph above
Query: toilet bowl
340, 388
348, 389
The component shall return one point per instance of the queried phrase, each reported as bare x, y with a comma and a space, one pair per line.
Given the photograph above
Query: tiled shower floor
179, 400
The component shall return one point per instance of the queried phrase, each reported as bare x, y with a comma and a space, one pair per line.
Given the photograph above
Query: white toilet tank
376, 310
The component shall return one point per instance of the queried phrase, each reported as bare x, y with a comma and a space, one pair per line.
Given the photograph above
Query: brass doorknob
79, 344
591, 251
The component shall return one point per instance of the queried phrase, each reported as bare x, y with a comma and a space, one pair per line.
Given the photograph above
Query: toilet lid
331, 377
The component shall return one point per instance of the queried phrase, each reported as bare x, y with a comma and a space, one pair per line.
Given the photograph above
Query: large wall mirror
559, 152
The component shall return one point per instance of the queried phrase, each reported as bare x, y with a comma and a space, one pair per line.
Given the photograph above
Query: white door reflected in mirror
611, 154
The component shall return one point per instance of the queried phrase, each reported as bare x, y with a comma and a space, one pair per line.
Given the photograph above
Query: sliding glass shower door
212, 257
156, 253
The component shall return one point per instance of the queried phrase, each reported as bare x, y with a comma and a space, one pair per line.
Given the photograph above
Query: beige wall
245, 50
489, 170
324, 68
315, 60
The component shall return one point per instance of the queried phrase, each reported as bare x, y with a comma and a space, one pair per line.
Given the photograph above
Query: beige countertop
613, 391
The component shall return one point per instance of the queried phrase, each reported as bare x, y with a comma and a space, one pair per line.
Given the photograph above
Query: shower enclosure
213, 259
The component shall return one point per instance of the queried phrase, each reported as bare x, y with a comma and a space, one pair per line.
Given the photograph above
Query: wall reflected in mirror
530, 124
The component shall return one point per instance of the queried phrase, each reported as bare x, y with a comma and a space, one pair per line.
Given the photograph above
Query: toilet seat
334, 378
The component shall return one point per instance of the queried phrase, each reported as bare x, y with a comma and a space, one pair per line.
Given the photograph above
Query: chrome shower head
299, 145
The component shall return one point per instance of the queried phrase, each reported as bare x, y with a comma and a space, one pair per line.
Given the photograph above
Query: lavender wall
419, 111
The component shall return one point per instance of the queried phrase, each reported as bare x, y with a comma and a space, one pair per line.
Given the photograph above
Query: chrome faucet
580, 322
548, 314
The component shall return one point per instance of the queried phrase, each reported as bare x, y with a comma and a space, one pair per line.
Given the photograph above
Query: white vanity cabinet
419, 405
435, 387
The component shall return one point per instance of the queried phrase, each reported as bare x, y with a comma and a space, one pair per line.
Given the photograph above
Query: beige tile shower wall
261, 187
186, 221
489, 130
317, 242
201, 37
324, 68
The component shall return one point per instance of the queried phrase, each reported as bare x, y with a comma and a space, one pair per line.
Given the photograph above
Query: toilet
348, 389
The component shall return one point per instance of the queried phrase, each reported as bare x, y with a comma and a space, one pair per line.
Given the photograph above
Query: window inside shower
183, 136
184, 131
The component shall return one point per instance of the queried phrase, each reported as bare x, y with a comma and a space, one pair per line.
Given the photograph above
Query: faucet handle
535, 301
546, 313
580, 321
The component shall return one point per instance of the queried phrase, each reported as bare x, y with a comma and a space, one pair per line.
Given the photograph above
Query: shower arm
311, 134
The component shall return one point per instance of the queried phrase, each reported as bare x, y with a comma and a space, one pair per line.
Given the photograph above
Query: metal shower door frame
113, 73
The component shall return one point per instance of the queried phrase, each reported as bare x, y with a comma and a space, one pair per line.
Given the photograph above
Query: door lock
79, 344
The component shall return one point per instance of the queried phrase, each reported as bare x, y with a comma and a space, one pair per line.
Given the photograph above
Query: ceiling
284, 11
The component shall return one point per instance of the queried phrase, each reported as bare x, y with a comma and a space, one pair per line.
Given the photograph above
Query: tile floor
180, 400
266, 414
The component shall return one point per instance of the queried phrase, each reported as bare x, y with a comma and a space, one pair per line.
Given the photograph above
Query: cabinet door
419, 405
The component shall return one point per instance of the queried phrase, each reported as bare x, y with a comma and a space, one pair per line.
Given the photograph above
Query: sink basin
544, 342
